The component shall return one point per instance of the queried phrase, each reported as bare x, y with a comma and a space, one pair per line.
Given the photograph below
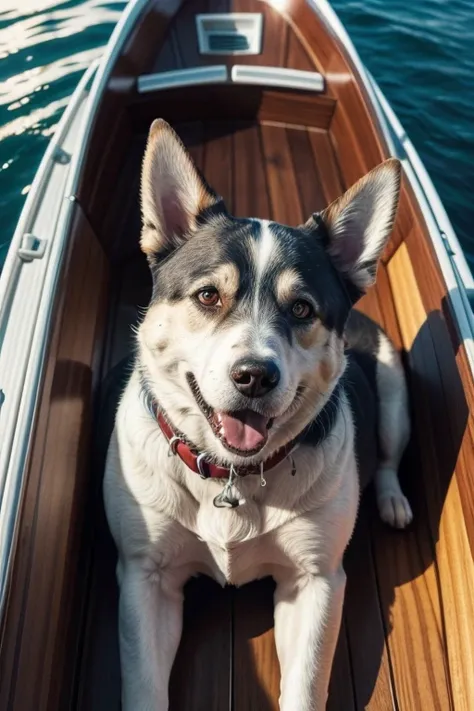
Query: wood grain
440, 441
34, 656
365, 621
250, 183
308, 181
218, 160
255, 663
201, 677
232, 102
326, 161
285, 203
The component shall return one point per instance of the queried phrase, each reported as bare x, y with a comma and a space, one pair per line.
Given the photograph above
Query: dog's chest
237, 540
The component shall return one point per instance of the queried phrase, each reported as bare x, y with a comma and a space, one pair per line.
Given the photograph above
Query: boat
281, 115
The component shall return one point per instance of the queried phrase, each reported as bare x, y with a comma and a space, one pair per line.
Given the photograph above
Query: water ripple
45, 46
421, 54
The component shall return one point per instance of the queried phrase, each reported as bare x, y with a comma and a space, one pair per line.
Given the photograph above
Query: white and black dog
235, 451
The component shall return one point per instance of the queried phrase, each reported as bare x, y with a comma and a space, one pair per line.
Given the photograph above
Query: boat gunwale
21, 422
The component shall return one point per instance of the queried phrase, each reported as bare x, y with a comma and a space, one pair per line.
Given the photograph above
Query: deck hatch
230, 33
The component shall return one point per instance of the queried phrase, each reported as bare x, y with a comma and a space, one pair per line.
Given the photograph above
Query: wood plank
218, 159
169, 57
343, 81
250, 185
413, 615
295, 108
275, 35
365, 620
369, 304
232, 102
328, 167
100, 172
450, 351
404, 222
307, 176
383, 291
34, 652
192, 135
201, 675
440, 466
353, 156
285, 204
184, 27
98, 667
341, 691
121, 228
256, 669
146, 39
296, 55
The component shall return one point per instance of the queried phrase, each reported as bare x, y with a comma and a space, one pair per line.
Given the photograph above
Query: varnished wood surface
38, 630
234, 102
407, 639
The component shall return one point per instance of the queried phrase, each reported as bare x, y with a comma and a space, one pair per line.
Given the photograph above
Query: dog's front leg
150, 624
307, 619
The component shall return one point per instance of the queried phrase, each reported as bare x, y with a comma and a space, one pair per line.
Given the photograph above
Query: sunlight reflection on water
45, 46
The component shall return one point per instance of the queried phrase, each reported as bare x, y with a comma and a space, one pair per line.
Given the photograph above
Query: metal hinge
31, 247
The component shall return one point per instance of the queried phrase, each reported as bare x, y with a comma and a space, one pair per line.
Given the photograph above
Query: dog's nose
255, 378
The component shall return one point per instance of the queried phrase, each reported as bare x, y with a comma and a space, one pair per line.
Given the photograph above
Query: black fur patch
222, 239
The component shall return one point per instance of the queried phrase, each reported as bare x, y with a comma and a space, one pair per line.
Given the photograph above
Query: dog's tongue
244, 430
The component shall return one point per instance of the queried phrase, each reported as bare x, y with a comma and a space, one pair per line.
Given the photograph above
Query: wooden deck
407, 639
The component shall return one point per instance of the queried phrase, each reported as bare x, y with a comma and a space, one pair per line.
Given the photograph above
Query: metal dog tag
226, 500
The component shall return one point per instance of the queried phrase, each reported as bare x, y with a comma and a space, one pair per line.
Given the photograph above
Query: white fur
266, 247
166, 529
265, 250
394, 432
360, 222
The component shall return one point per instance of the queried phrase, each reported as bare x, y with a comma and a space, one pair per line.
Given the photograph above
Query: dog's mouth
243, 432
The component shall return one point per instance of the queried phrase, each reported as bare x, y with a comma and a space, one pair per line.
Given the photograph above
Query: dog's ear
173, 193
360, 222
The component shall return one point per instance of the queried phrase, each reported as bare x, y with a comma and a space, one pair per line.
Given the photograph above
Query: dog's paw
394, 509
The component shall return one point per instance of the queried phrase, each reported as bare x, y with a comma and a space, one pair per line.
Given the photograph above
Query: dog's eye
209, 297
302, 310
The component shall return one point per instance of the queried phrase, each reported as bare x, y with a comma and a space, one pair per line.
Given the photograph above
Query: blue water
421, 53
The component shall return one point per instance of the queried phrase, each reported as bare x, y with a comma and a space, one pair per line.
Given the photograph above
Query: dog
259, 406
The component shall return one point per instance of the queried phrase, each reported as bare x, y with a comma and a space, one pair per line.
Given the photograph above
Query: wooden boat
280, 114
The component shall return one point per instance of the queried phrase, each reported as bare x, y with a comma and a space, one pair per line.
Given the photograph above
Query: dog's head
242, 343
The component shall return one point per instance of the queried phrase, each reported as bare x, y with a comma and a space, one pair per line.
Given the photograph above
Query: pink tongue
244, 430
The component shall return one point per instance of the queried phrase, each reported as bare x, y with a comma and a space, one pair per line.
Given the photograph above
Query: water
421, 53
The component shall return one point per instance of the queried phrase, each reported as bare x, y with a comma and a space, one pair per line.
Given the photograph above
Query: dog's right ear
173, 193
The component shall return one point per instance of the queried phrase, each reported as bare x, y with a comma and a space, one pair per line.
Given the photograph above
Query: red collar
198, 463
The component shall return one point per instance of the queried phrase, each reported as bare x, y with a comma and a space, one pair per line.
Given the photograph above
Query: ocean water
421, 53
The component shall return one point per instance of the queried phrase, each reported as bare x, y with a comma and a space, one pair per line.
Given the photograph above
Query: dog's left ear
360, 222
173, 193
